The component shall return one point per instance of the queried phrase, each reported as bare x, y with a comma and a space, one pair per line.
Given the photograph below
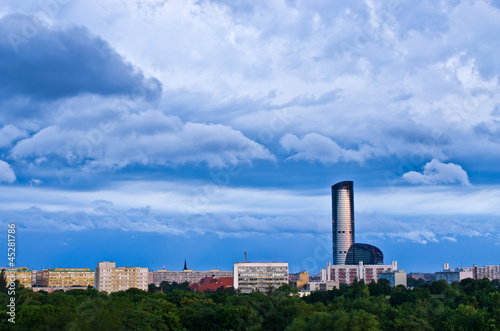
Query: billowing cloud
9, 133
6, 172
435, 172
146, 138
315, 147
48, 63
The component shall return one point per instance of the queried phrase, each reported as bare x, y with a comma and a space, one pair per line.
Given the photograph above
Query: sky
150, 132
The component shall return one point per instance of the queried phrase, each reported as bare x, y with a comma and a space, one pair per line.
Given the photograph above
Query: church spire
185, 265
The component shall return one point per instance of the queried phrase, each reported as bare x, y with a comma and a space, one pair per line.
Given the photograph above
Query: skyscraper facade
342, 221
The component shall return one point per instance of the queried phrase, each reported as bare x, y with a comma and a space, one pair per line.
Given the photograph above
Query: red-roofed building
212, 284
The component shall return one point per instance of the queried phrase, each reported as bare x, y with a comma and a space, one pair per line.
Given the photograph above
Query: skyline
203, 129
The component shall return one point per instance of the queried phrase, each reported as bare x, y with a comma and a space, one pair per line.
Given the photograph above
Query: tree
3, 282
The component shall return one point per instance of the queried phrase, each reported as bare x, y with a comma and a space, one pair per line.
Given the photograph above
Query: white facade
347, 274
109, 278
248, 277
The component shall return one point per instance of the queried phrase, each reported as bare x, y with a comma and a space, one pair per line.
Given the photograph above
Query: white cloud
315, 147
146, 138
435, 172
9, 133
6, 173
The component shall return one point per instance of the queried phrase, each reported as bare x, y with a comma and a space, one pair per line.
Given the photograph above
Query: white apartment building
347, 274
249, 276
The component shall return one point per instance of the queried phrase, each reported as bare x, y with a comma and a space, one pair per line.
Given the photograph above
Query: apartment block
347, 274
251, 276
23, 275
187, 275
67, 277
110, 278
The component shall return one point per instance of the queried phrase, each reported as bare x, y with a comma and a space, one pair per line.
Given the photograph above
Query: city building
345, 250
110, 278
342, 221
299, 280
453, 275
347, 274
250, 276
488, 271
321, 286
212, 284
23, 275
67, 277
395, 277
187, 275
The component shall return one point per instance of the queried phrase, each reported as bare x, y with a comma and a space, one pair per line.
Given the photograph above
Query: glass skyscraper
345, 250
342, 221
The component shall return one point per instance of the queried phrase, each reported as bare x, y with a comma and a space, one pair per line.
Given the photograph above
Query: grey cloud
51, 63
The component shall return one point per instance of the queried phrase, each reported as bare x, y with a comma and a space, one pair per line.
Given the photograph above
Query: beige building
188, 275
67, 277
110, 278
250, 276
299, 280
23, 275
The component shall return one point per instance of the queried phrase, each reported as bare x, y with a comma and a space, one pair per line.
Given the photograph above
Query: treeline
468, 305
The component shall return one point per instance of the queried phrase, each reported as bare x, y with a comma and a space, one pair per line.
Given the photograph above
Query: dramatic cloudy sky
148, 131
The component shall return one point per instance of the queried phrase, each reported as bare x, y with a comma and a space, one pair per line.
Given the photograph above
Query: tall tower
342, 221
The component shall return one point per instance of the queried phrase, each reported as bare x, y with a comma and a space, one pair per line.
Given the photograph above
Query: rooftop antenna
245, 256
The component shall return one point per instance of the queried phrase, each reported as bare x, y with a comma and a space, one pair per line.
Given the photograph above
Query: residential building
347, 274
395, 277
23, 275
488, 271
250, 276
453, 275
67, 277
110, 278
187, 275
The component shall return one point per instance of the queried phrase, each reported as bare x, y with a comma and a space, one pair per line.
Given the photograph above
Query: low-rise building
250, 276
110, 278
187, 275
453, 275
299, 280
212, 284
395, 277
321, 286
67, 277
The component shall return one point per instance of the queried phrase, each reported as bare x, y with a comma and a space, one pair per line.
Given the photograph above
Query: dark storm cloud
48, 63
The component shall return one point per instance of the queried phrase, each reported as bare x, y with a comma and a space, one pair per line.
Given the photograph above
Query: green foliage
468, 305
